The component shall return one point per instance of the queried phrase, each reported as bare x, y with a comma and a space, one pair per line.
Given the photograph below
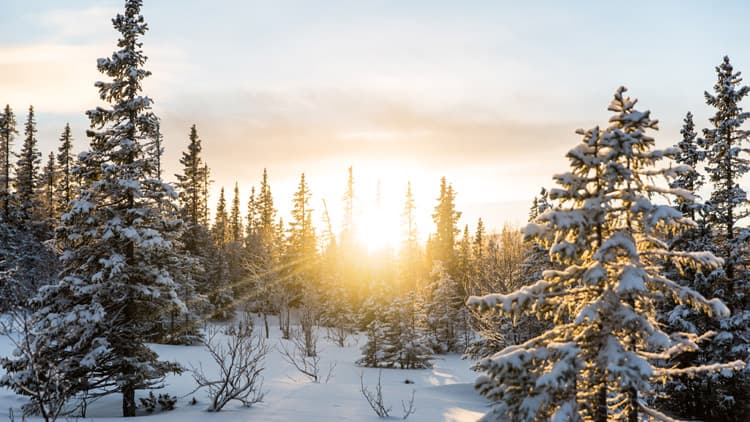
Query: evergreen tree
689, 155
347, 230
446, 222
193, 197
478, 247
220, 294
721, 396
28, 174
49, 181
65, 165
8, 132
404, 343
251, 228
262, 251
220, 230
410, 253
443, 311
195, 279
266, 211
236, 233
302, 242
118, 244
600, 357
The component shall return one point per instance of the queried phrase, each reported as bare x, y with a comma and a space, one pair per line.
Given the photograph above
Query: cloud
78, 24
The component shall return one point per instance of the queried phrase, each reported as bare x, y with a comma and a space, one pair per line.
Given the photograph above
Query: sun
379, 230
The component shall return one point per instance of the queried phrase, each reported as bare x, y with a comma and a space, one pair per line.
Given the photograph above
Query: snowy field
443, 393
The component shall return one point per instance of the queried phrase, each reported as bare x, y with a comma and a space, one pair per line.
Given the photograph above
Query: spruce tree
8, 132
721, 396
220, 229
28, 175
262, 249
48, 190
118, 242
602, 354
347, 229
65, 165
193, 197
198, 248
404, 344
410, 253
236, 233
446, 222
302, 241
443, 306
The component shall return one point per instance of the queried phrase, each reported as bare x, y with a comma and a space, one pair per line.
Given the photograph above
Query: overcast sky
487, 94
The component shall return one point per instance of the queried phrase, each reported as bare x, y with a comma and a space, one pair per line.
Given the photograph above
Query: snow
442, 393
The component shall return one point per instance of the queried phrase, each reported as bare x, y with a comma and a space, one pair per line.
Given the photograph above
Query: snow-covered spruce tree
198, 247
117, 241
8, 132
599, 358
28, 176
372, 351
220, 292
65, 163
404, 344
720, 396
446, 225
443, 311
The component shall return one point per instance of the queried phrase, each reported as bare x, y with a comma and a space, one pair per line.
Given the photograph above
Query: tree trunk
633, 408
128, 401
600, 409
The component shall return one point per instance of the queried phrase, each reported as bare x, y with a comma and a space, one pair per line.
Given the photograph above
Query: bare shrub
377, 403
240, 357
301, 352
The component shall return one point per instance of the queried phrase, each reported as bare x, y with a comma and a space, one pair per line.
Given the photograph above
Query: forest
625, 297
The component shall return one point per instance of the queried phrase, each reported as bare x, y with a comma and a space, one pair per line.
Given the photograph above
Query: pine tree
262, 251
302, 242
49, 181
689, 155
8, 132
28, 174
446, 222
235, 219
65, 165
722, 396
220, 230
195, 279
117, 241
220, 293
251, 228
266, 211
410, 253
193, 197
600, 357
347, 229
443, 306
404, 344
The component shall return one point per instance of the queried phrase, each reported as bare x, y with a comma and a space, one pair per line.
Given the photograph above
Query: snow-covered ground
443, 393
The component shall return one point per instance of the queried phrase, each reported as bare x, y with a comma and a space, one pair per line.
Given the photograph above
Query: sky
485, 93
